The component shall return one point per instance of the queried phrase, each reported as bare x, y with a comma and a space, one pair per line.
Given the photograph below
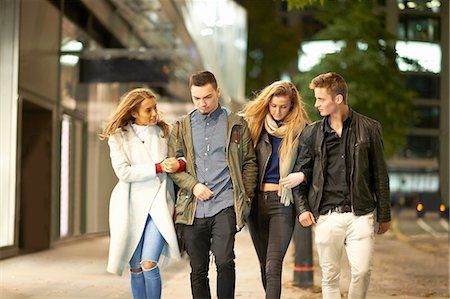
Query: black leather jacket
263, 151
369, 181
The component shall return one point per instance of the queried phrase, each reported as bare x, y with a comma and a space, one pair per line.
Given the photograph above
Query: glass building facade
56, 176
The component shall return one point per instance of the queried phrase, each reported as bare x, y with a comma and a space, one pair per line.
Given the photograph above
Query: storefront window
74, 101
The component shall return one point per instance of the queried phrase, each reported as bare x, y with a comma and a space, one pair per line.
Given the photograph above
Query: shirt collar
347, 121
212, 115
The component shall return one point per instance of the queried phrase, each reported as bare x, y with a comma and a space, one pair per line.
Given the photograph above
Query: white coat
139, 192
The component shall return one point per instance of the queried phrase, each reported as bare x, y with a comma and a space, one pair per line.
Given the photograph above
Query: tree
367, 61
300, 4
272, 46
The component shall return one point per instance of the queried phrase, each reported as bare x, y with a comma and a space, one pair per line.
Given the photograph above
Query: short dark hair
334, 82
203, 78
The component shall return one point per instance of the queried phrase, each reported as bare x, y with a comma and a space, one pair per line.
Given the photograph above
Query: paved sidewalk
77, 270
248, 281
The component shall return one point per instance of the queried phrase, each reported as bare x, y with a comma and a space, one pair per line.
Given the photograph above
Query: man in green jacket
347, 186
217, 186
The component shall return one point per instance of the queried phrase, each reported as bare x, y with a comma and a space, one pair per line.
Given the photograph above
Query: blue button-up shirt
209, 134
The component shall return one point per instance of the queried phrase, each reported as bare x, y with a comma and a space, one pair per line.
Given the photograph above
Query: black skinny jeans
271, 225
216, 234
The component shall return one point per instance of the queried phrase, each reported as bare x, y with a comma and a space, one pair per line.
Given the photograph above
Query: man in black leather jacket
347, 189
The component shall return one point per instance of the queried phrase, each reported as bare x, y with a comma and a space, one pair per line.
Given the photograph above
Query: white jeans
333, 232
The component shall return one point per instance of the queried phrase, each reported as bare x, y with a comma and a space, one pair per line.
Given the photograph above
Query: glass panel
418, 28
421, 147
428, 118
72, 213
426, 86
414, 182
9, 43
73, 41
78, 207
219, 29
427, 56
65, 177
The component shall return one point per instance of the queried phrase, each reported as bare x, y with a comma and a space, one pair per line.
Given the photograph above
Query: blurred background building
65, 64
420, 169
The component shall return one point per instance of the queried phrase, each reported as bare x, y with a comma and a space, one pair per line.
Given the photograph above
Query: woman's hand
170, 164
292, 180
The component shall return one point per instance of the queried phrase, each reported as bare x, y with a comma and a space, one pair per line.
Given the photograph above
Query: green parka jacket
241, 162
369, 181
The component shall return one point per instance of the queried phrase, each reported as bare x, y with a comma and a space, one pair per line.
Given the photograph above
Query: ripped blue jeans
147, 283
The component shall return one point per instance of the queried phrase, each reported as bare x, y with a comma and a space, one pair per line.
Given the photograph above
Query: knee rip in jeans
148, 265
135, 270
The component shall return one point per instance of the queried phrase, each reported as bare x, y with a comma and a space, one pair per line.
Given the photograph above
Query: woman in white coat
142, 202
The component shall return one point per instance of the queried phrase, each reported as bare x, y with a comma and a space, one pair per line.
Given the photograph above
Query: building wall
47, 101
426, 152
39, 49
421, 167
9, 47
63, 175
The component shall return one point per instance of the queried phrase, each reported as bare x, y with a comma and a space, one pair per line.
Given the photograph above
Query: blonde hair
255, 113
130, 102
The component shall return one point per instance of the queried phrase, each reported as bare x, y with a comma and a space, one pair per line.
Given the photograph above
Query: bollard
303, 266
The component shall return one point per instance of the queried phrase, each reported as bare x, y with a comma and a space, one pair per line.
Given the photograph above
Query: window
428, 117
426, 86
422, 147
419, 28
414, 182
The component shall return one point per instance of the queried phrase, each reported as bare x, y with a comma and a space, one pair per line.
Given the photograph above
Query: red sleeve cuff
182, 166
158, 168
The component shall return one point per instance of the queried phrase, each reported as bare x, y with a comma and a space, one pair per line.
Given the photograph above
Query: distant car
431, 202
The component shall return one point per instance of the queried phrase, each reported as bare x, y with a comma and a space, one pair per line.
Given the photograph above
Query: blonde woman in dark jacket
276, 118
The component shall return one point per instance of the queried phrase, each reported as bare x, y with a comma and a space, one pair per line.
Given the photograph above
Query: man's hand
170, 164
306, 219
383, 227
202, 192
292, 180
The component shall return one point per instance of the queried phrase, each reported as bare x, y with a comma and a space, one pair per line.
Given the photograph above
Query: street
413, 259
429, 233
